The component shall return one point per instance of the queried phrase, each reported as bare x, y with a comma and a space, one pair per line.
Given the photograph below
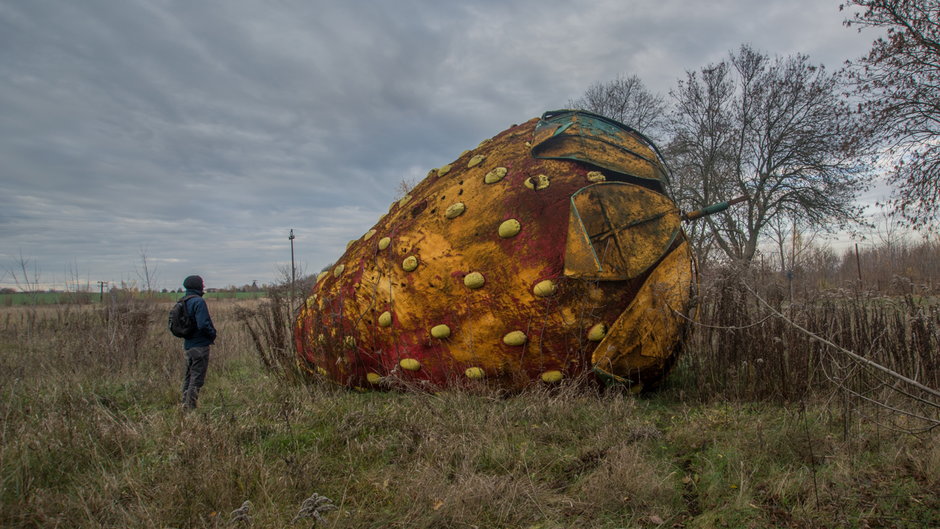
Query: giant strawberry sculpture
549, 251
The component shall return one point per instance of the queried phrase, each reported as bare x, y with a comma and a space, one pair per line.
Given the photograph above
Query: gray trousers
197, 363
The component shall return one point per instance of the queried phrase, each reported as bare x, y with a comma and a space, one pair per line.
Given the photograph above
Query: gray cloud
201, 132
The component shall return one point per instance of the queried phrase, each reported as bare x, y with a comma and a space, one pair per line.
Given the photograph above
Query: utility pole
292, 268
101, 285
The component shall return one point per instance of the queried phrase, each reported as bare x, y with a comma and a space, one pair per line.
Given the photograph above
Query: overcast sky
199, 133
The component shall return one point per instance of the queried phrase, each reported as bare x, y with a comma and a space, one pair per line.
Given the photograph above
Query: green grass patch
91, 436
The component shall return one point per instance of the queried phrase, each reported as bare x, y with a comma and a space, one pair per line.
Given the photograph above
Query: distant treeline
8, 299
893, 267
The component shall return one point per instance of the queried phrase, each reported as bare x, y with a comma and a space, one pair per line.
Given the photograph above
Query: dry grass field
752, 430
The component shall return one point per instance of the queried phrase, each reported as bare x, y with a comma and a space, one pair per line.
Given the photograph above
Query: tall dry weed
270, 328
754, 340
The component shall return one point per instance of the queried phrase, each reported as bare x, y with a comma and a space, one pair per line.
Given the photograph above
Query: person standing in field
196, 347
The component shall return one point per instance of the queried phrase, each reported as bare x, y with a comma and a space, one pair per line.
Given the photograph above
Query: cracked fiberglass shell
549, 251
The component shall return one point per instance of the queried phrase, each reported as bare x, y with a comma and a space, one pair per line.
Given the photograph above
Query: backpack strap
184, 299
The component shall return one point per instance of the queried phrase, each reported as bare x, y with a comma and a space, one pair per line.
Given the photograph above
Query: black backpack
182, 323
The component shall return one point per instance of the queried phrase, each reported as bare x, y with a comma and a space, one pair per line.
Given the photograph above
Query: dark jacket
205, 333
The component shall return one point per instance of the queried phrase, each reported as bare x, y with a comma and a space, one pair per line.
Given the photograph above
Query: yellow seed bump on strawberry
473, 280
597, 332
385, 319
537, 183
509, 228
455, 210
544, 289
495, 175
410, 364
440, 331
514, 338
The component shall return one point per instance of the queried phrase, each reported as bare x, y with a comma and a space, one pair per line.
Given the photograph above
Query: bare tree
146, 274
794, 244
700, 151
73, 279
889, 233
769, 128
25, 274
625, 99
899, 83
405, 186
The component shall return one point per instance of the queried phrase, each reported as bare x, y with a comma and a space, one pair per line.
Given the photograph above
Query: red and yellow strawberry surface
547, 252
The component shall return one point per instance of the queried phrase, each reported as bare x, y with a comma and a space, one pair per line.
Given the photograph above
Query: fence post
858, 265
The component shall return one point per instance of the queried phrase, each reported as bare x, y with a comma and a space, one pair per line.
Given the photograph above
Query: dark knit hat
193, 283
